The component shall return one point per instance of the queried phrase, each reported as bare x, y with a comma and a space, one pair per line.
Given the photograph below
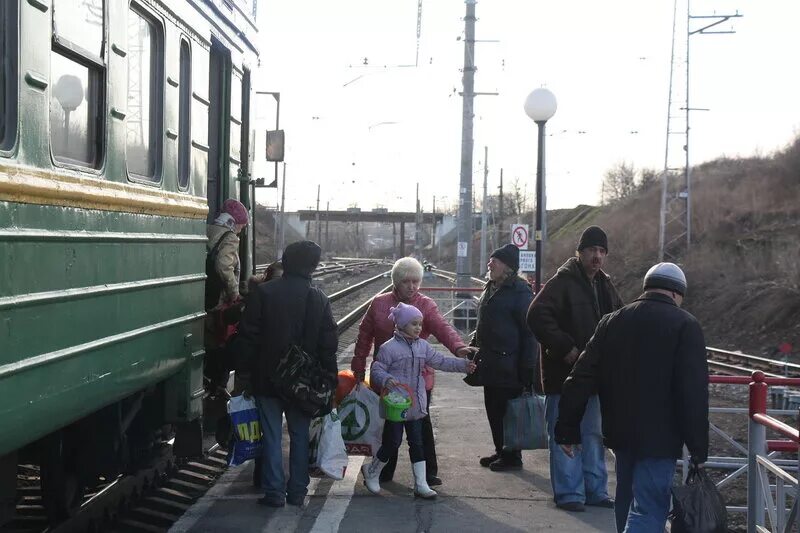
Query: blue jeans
582, 478
393, 438
272, 478
643, 493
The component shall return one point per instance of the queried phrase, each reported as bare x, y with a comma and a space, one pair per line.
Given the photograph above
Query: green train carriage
123, 126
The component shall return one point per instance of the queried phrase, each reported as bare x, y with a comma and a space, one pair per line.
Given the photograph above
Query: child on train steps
400, 361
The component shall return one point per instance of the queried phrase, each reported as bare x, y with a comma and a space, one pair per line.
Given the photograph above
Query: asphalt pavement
472, 498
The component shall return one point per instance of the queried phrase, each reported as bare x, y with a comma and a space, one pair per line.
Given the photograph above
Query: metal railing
761, 458
458, 305
761, 468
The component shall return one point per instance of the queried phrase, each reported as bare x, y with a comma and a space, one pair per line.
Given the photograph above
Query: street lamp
540, 106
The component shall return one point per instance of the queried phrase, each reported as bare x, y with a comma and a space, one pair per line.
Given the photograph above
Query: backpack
214, 285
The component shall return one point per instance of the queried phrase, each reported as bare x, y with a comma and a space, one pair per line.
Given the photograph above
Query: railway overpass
355, 215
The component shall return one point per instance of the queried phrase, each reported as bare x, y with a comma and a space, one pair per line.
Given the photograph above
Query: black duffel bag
697, 506
301, 381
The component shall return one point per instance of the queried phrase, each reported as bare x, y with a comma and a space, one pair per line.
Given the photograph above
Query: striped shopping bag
524, 426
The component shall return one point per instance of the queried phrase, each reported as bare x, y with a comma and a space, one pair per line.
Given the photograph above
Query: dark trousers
395, 433
428, 448
496, 401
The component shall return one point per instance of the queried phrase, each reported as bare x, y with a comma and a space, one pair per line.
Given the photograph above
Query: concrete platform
472, 499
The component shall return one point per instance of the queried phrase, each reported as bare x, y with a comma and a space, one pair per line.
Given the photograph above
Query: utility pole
464, 239
484, 220
418, 229
327, 220
675, 228
501, 215
319, 227
282, 239
433, 228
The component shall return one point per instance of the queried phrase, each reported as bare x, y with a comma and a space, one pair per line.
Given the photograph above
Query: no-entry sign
519, 236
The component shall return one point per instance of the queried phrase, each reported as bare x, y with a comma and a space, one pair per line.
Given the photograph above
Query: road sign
462, 249
519, 236
527, 261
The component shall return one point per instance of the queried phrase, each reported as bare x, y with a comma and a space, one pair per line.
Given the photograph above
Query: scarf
226, 221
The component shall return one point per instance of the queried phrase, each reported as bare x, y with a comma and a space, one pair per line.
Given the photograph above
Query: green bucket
395, 410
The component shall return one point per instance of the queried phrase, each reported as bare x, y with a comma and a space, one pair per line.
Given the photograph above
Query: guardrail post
756, 445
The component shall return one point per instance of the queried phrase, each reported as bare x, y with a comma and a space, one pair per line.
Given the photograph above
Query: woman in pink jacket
377, 328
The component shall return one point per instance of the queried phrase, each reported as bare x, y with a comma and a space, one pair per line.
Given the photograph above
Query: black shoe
434, 481
608, 503
505, 464
271, 502
486, 461
573, 507
297, 501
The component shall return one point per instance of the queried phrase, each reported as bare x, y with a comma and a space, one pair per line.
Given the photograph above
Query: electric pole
464, 244
675, 228
282, 236
484, 221
418, 229
319, 227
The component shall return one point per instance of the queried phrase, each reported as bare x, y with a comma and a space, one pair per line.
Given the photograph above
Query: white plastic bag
362, 426
326, 447
246, 430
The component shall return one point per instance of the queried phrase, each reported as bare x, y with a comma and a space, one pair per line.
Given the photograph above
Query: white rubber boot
421, 487
372, 472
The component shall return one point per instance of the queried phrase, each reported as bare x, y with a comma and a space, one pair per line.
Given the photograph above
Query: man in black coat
507, 348
563, 317
281, 313
647, 362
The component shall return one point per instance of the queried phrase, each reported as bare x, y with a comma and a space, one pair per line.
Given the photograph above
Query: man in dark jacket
563, 316
507, 348
280, 313
647, 361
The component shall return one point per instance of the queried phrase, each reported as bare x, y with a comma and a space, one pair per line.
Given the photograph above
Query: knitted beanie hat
402, 314
593, 236
509, 255
237, 210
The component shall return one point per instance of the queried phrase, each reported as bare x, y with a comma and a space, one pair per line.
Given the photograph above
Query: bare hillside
744, 265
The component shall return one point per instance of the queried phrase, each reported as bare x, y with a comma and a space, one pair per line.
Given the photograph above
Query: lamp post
540, 106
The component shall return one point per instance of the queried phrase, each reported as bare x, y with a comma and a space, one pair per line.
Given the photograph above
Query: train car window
236, 114
8, 73
185, 117
80, 23
144, 103
77, 92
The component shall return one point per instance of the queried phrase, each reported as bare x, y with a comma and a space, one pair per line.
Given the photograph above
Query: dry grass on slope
744, 265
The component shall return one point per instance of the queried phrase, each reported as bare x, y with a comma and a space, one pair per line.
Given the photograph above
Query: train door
219, 80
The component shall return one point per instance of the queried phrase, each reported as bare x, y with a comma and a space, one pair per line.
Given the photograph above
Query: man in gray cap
647, 362
563, 317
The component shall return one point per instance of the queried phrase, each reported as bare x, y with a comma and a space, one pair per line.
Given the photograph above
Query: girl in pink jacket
401, 361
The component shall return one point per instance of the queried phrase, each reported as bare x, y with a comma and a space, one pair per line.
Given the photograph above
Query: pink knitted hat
237, 210
403, 314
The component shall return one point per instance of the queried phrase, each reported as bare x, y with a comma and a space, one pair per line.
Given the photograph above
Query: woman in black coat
507, 348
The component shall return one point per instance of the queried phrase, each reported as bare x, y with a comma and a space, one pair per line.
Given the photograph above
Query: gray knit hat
668, 276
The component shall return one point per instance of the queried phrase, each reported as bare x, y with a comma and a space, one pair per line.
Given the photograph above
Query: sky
368, 134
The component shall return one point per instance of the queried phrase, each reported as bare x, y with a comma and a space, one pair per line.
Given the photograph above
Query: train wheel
62, 487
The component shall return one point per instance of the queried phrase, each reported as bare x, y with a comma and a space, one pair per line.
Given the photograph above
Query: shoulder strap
307, 315
215, 249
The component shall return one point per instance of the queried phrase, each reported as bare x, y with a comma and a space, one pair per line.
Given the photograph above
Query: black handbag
697, 506
300, 379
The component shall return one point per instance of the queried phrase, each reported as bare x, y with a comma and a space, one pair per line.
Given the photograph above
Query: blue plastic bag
246, 443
